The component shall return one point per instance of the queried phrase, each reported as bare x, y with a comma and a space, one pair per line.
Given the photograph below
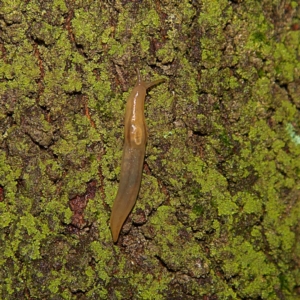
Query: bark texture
217, 215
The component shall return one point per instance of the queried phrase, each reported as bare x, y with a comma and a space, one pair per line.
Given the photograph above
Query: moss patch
217, 214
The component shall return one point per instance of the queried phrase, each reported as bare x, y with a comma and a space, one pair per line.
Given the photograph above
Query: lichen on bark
217, 215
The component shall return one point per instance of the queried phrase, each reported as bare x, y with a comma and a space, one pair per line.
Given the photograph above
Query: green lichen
219, 189
294, 137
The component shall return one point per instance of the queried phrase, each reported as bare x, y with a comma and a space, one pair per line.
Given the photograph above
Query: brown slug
135, 136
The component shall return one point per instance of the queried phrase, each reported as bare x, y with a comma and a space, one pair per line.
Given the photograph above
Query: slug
135, 139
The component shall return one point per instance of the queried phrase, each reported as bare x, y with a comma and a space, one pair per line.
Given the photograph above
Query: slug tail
115, 229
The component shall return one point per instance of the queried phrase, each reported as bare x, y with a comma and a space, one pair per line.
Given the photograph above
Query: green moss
211, 14
54, 284
73, 83
150, 17
222, 200
166, 53
84, 24
226, 206
60, 5
198, 209
285, 55
252, 204
249, 263
152, 286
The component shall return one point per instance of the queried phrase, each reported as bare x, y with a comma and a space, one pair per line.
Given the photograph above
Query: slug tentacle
135, 136
147, 85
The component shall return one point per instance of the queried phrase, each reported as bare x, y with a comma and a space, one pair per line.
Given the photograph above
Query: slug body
135, 139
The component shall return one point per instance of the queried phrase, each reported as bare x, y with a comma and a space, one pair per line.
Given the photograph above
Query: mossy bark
217, 215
